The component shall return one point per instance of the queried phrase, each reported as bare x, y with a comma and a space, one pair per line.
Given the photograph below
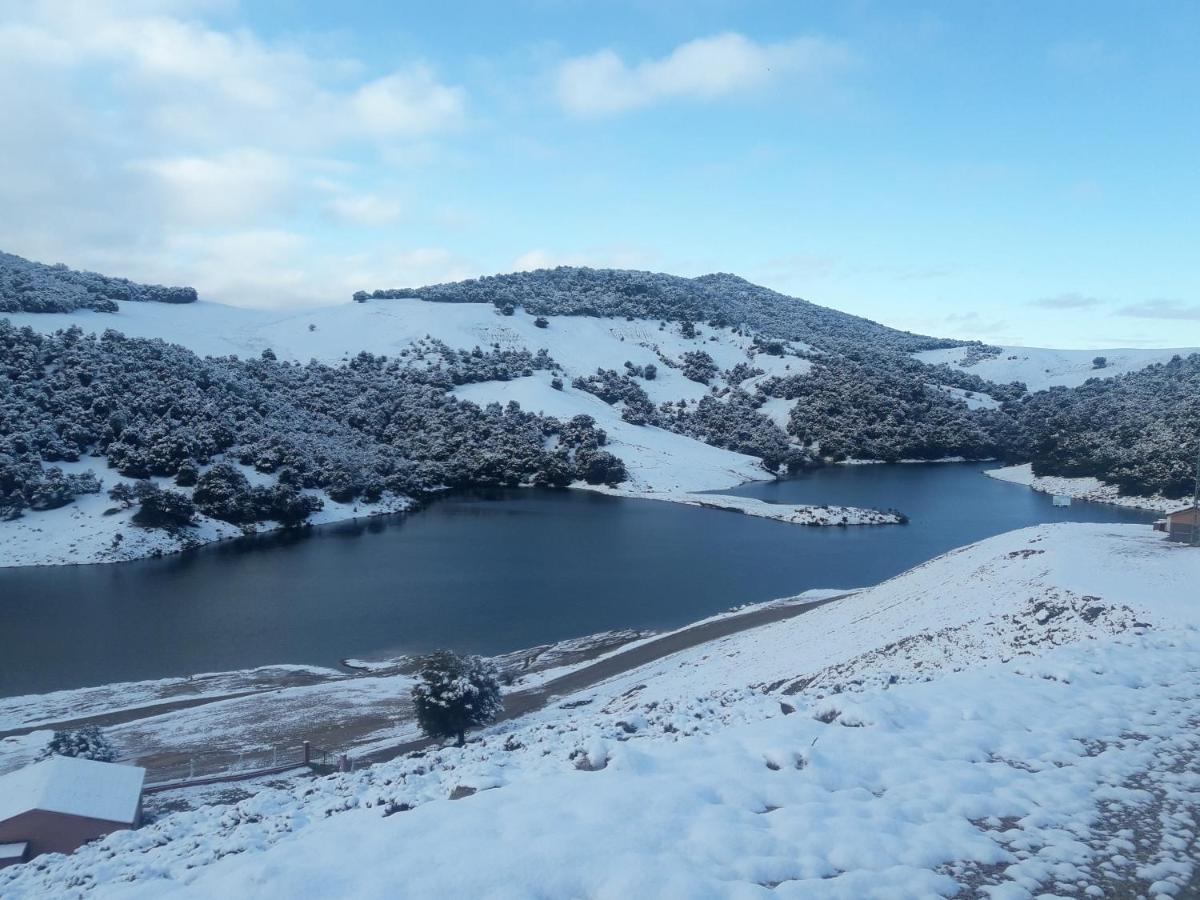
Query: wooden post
307, 753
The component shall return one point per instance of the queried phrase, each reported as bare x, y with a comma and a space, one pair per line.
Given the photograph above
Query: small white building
1061, 500
60, 803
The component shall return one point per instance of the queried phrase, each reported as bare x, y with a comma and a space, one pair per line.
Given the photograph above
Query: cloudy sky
1017, 172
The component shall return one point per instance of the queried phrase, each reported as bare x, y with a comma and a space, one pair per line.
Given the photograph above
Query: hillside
995, 723
1038, 368
720, 299
1139, 431
27, 286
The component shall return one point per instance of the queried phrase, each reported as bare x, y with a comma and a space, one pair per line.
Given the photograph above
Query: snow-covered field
1092, 489
1016, 718
1041, 368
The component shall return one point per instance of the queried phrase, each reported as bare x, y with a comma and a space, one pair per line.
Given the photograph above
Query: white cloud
614, 258
366, 210
231, 188
158, 142
1073, 300
408, 103
1162, 309
703, 69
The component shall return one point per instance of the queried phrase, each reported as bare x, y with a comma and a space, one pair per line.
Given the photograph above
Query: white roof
78, 787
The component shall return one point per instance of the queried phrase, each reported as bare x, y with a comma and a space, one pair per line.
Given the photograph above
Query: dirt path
521, 703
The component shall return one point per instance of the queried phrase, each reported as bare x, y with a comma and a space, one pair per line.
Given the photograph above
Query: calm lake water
487, 571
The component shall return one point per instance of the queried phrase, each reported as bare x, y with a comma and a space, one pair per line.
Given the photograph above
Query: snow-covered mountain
1014, 718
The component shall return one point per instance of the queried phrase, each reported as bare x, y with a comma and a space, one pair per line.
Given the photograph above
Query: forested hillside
865, 397
27, 286
353, 431
722, 299
1138, 431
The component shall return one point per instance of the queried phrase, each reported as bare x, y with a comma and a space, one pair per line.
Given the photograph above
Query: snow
657, 460
973, 399
30, 710
794, 514
1042, 368
80, 787
581, 344
94, 529
1086, 488
1001, 721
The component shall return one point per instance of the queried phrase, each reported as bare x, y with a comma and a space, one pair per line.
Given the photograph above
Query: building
60, 803
1179, 526
1061, 500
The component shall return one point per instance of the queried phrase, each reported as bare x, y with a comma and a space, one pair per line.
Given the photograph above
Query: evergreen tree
85, 743
455, 693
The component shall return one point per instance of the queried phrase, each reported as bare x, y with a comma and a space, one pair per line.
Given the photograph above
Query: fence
222, 765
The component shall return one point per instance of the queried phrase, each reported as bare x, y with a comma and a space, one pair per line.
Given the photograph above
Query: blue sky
1017, 172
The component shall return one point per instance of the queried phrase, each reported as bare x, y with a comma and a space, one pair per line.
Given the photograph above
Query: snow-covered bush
84, 743
163, 509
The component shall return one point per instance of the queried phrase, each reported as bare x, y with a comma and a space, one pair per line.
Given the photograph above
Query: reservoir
487, 571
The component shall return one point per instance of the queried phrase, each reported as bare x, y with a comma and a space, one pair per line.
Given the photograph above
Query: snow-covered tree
84, 743
455, 693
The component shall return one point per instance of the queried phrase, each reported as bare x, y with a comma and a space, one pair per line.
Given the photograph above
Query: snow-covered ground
1041, 368
1016, 718
794, 514
95, 529
1092, 489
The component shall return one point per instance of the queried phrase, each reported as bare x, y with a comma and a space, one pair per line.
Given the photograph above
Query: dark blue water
486, 572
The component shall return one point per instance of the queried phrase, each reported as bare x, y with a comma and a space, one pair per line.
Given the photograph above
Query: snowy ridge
1092, 489
1013, 718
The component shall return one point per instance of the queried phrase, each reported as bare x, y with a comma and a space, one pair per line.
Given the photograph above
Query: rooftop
79, 787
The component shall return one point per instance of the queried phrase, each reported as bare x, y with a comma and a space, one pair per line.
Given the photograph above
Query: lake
486, 571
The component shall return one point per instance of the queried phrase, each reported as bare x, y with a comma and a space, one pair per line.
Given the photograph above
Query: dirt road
521, 703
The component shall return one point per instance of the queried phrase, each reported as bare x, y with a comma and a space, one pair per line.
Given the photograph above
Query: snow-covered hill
1015, 718
660, 462
1041, 368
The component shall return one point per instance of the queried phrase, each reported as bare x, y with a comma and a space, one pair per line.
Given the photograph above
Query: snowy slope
1041, 368
1015, 718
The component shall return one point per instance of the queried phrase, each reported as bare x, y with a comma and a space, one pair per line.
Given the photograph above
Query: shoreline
159, 543
1086, 489
787, 513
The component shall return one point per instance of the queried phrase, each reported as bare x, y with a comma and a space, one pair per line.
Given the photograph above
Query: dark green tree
455, 693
